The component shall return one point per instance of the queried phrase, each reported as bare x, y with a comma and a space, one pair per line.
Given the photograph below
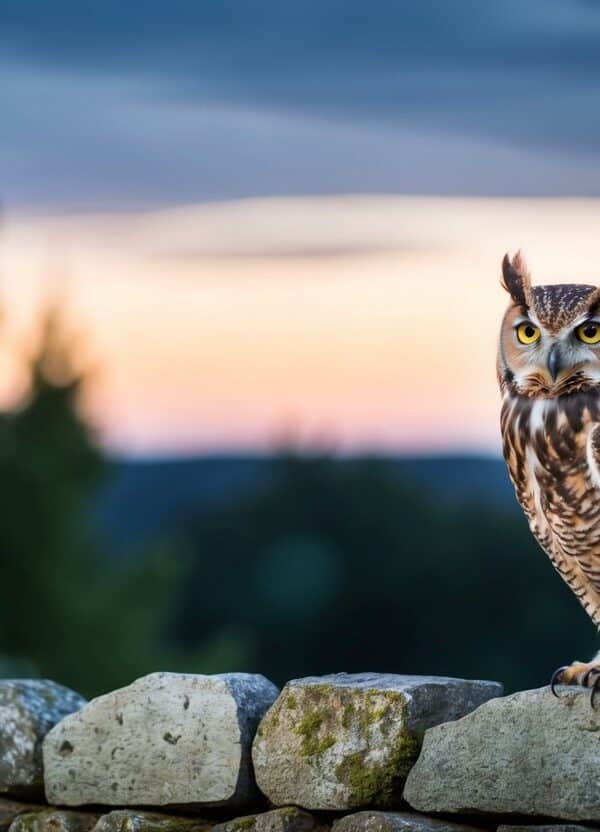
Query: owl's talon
579, 674
555, 680
586, 678
595, 690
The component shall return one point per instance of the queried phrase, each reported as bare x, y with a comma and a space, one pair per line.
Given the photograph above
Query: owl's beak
556, 361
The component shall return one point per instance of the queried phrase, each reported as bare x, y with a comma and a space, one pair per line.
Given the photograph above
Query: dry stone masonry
54, 820
345, 741
166, 740
395, 822
135, 821
10, 810
529, 754
286, 819
341, 753
544, 827
28, 710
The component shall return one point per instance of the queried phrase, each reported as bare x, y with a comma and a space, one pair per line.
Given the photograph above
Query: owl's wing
576, 552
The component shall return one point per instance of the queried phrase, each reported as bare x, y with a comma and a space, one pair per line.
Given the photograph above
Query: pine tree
68, 609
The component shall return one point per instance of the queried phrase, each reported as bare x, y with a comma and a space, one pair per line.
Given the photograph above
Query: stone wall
355, 753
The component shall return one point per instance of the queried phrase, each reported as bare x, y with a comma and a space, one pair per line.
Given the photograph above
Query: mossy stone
373, 821
54, 820
127, 820
11, 809
349, 741
29, 708
284, 819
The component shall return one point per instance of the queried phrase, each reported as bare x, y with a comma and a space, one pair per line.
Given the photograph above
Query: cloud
244, 230
182, 101
246, 40
128, 152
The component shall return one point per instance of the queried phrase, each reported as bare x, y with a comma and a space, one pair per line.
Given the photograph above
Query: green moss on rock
284, 819
308, 729
133, 821
11, 809
54, 820
347, 714
378, 784
242, 824
319, 690
290, 812
339, 713
349, 741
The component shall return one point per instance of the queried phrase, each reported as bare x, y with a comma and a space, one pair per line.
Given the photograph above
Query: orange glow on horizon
372, 320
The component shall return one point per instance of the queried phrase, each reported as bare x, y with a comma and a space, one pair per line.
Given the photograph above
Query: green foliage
68, 610
422, 585
332, 565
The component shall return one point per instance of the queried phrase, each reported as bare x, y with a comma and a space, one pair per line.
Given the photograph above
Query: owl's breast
546, 449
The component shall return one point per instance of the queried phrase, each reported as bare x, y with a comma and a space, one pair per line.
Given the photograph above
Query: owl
549, 376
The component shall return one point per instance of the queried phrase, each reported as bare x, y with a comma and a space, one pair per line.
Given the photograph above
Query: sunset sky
269, 219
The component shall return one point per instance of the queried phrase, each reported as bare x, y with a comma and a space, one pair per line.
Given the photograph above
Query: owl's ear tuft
516, 279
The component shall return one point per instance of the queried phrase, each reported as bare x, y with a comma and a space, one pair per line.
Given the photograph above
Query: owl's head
550, 336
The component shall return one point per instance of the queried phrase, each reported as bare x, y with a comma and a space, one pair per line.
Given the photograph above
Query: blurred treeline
328, 565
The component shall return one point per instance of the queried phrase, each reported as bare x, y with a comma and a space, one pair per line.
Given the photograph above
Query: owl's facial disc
550, 336
540, 362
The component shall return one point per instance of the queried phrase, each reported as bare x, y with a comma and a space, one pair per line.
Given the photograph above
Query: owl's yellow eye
528, 333
589, 332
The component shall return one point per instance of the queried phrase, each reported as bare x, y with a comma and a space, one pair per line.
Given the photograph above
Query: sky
274, 216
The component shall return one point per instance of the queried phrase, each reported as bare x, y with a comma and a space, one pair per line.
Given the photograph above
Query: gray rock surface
396, 822
526, 754
545, 827
29, 708
137, 821
54, 820
168, 739
348, 741
10, 809
285, 819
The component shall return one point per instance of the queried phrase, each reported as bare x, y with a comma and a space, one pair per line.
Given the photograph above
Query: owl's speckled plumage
553, 464
556, 306
551, 426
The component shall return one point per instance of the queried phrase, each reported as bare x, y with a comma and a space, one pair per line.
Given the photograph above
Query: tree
351, 564
69, 610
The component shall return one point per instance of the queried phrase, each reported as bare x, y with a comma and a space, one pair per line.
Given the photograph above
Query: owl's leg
584, 674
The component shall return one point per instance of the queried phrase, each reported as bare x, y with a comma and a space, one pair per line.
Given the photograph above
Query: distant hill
143, 499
